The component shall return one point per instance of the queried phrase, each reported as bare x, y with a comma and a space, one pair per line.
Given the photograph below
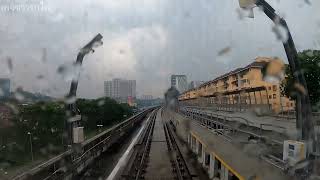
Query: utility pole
30, 139
303, 108
304, 123
75, 119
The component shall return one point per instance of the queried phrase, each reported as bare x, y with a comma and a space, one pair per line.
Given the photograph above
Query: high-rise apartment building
194, 84
120, 89
132, 88
179, 82
4, 88
108, 88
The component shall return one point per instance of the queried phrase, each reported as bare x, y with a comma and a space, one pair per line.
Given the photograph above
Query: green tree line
44, 123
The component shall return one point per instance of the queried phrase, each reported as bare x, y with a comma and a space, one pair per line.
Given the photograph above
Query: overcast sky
146, 40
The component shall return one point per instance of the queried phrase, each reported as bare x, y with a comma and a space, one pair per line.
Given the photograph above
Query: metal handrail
247, 123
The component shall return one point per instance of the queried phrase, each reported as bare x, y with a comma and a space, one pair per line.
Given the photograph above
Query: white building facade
179, 82
120, 89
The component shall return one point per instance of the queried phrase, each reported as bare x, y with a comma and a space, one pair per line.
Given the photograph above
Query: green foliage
46, 123
310, 65
104, 111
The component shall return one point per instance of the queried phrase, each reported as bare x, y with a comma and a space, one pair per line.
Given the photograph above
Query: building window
269, 88
274, 87
270, 97
207, 159
193, 141
274, 96
200, 150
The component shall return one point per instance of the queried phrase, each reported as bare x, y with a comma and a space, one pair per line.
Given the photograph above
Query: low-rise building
243, 86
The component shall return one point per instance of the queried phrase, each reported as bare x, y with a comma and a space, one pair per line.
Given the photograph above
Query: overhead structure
73, 123
304, 123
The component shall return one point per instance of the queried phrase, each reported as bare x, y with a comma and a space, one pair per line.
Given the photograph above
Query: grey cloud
145, 40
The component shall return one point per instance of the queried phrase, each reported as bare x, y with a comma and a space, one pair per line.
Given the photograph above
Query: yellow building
243, 86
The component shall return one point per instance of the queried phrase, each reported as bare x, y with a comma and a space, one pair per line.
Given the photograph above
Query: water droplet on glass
9, 64
245, 12
274, 71
307, 2
300, 88
44, 55
187, 14
35, 138
280, 32
69, 72
309, 53
73, 118
19, 96
12, 107
240, 13
70, 100
121, 51
97, 44
101, 102
224, 51
225, 59
40, 76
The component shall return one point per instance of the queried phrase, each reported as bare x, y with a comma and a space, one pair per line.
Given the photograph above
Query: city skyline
160, 89
143, 42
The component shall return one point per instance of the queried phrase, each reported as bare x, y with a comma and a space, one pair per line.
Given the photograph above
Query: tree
310, 65
103, 111
46, 123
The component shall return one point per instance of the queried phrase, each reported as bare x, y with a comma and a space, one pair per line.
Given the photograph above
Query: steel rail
146, 149
178, 162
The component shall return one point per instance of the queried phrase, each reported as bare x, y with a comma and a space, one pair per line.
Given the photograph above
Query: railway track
157, 140
178, 164
141, 152
71, 163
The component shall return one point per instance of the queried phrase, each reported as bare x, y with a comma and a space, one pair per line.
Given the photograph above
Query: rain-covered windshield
146, 89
